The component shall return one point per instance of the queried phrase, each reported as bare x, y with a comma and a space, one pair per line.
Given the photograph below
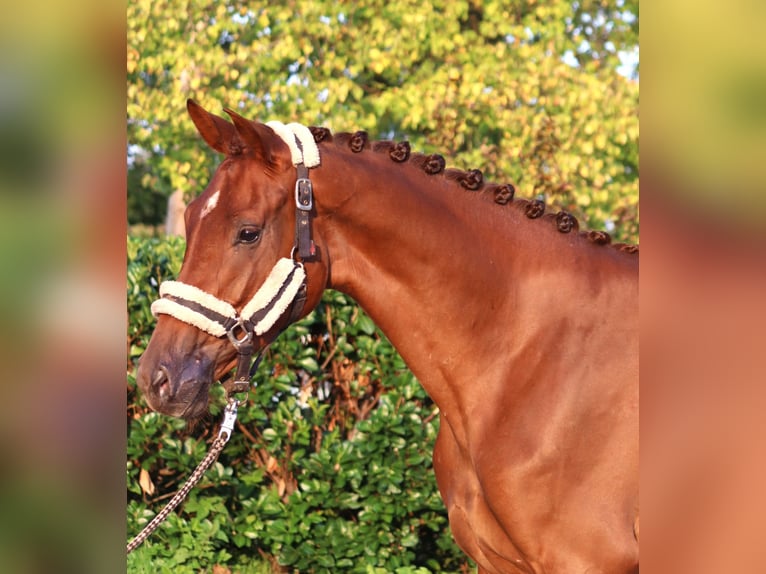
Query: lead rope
227, 427
239, 384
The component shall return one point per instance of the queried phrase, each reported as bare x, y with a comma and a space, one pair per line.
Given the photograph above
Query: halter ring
246, 337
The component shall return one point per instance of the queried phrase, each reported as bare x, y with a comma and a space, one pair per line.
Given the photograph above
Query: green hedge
330, 470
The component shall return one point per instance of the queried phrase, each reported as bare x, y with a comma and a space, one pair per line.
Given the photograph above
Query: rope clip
229, 418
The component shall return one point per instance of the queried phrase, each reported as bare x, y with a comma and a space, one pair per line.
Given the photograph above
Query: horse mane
471, 180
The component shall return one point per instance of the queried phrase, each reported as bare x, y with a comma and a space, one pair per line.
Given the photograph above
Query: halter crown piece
284, 287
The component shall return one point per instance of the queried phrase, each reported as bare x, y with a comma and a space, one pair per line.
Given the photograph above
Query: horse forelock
470, 180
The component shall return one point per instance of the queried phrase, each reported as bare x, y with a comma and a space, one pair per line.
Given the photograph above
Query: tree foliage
526, 91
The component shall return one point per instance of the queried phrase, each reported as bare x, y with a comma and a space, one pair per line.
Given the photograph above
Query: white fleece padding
269, 290
310, 154
287, 136
186, 315
310, 148
266, 293
192, 293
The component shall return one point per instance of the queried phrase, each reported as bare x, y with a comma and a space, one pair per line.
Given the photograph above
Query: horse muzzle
176, 386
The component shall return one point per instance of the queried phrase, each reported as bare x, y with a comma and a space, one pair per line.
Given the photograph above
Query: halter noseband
284, 288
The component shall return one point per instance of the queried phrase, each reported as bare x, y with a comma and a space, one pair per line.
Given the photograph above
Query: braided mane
471, 180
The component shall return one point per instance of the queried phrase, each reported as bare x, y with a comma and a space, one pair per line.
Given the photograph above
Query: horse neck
470, 293
421, 256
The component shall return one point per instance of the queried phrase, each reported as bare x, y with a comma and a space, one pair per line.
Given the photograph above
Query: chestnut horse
522, 329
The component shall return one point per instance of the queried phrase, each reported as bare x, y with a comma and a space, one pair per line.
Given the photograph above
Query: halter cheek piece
284, 289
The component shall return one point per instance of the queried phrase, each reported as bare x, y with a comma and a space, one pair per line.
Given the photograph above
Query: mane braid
534, 209
320, 134
472, 180
565, 222
502, 194
397, 151
358, 141
431, 164
598, 237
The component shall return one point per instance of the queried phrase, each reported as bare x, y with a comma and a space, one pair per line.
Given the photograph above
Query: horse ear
216, 131
256, 137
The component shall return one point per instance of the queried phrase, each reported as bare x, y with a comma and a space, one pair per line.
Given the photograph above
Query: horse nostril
161, 381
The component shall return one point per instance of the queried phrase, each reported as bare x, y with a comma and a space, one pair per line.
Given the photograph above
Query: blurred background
703, 279
62, 281
541, 94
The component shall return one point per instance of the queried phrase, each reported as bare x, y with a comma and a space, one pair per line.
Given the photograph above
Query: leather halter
304, 203
283, 291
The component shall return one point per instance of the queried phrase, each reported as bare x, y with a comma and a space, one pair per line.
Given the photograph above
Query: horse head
247, 271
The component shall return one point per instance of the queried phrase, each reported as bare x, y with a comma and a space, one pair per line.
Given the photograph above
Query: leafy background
526, 91
330, 467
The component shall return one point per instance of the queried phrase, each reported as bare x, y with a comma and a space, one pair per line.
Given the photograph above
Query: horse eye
249, 235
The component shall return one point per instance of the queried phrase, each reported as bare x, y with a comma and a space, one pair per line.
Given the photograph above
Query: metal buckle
304, 196
244, 339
